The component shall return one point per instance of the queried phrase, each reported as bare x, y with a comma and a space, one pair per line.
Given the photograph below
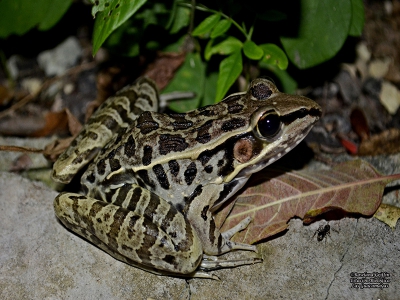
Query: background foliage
224, 39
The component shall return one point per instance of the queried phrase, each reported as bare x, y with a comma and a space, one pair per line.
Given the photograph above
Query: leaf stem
206, 9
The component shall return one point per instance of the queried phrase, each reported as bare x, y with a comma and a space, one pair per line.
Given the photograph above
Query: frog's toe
239, 227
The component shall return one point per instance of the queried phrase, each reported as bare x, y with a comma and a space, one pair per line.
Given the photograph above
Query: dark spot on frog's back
146, 123
147, 155
206, 111
235, 108
130, 147
203, 139
173, 167
171, 142
101, 167
91, 178
205, 156
233, 124
114, 165
203, 136
190, 173
180, 122
161, 176
208, 169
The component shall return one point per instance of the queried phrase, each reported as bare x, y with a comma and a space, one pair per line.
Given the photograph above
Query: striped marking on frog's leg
112, 118
145, 231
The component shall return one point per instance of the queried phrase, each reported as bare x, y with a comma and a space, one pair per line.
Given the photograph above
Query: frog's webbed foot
211, 262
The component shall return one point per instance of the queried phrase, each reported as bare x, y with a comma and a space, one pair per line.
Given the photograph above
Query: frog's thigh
166, 242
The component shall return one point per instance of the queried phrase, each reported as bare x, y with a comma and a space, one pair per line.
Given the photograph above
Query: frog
152, 181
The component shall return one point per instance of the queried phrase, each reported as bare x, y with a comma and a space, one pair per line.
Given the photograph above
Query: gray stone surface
56, 61
40, 259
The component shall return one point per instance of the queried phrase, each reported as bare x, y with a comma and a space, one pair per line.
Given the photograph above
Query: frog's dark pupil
269, 125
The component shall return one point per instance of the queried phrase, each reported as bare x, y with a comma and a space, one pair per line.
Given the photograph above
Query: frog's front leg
214, 242
139, 228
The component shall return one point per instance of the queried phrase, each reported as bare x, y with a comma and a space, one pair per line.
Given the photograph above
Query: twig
20, 149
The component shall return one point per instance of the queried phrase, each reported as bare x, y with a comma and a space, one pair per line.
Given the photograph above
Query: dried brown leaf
388, 214
163, 68
55, 122
386, 142
74, 126
53, 150
273, 197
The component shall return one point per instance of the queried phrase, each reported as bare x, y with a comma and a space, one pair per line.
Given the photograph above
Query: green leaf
181, 19
220, 28
189, 78
117, 41
19, 16
323, 28
99, 6
206, 25
210, 89
274, 55
226, 47
54, 13
147, 16
358, 18
229, 70
208, 50
175, 46
113, 15
252, 51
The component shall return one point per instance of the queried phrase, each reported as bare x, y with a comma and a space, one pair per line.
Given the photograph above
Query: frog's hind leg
146, 232
109, 121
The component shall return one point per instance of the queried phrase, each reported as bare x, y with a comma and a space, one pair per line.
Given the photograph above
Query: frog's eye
269, 126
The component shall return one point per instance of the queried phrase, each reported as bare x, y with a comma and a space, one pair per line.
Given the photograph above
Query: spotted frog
153, 180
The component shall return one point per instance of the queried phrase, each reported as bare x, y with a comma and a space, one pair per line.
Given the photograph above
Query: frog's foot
231, 232
239, 227
213, 262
